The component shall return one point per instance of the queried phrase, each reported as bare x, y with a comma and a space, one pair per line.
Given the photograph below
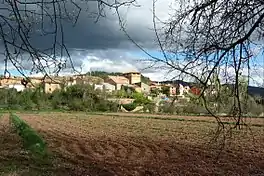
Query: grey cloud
106, 33
104, 42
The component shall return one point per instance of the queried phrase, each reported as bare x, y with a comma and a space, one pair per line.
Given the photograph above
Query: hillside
256, 91
103, 74
176, 82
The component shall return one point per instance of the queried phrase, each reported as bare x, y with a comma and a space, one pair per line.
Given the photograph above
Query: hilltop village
108, 83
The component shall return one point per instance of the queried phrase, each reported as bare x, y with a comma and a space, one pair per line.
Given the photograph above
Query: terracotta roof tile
119, 79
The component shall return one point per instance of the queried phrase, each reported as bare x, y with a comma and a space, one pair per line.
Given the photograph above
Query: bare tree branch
203, 39
21, 20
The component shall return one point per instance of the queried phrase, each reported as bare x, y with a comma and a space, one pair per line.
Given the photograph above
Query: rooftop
119, 79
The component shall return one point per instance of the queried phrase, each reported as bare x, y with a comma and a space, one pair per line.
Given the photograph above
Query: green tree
26, 100
121, 93
165, 90
140, 99
155, 92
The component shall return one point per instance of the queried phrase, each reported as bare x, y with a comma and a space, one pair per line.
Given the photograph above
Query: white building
18, 87
183, 89
109, 87
98, 87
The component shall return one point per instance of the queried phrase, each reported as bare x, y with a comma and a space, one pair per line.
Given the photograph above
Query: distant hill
256, 91
253, 91
104, 75
177, 82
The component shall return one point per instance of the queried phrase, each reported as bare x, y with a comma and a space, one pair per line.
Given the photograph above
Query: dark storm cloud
105, 34
86, 34
103, 43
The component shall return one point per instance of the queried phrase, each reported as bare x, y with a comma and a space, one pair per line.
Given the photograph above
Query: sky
103, 46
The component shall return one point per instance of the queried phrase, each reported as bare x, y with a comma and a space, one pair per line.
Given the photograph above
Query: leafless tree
201, 39
22, 20
204, 38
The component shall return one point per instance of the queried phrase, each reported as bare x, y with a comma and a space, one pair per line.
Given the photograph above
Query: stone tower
133, 77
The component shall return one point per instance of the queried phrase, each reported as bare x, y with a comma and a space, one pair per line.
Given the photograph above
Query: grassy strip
3, 111
166, 114
102, 113
170, 118
31, 140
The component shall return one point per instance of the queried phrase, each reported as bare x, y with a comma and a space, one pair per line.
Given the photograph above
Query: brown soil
109, 145
16, 161
104, 145
249, 120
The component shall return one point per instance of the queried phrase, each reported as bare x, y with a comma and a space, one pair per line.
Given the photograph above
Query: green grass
3, 111
29, 159
31, 140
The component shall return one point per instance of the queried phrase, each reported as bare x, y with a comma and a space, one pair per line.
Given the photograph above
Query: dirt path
118, 154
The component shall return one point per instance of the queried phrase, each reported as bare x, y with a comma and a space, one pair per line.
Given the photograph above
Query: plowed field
114, 145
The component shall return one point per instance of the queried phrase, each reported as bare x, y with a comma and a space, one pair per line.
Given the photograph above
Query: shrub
76, 105
113, 106
167, 108
150, 107
140, 99
179, 109
190, 108
254, 108
130, 106
107, 106
76, 98
103, 106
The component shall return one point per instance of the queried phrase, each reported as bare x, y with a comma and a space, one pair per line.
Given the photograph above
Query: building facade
133, 77
108, 87
173, 90
117, 81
